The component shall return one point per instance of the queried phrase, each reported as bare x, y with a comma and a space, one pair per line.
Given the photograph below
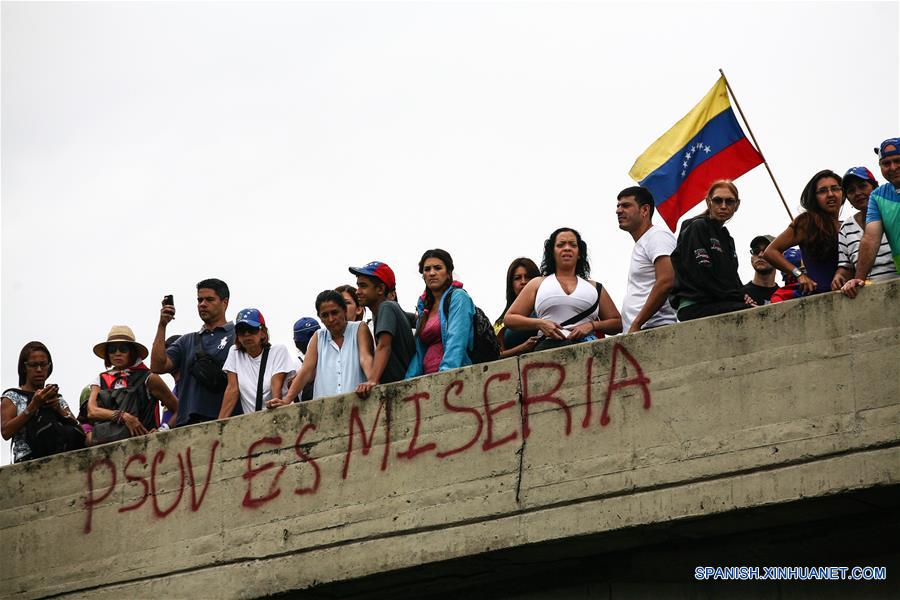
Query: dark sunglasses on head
727, 201
122, 347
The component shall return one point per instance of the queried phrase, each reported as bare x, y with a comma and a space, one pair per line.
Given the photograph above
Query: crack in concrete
521, 450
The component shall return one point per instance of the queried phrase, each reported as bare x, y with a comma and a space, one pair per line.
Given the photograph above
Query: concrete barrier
764, 407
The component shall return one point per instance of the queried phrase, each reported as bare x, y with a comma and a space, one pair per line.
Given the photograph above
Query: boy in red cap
394, 342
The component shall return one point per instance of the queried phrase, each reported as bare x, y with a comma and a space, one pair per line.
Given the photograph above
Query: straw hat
121, 333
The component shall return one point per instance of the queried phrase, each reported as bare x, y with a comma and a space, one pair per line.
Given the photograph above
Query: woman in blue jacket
444, 330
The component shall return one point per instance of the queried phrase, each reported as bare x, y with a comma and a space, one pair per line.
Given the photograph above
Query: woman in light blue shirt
339, 356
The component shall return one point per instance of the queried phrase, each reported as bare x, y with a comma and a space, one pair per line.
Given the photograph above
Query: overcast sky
146, 146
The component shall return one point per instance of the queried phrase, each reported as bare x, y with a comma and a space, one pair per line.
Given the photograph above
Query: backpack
47, 433
133, 399
485, 347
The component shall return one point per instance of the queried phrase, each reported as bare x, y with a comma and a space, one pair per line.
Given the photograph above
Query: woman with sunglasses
134, 411
816, 232
705, 261
251, 353
19, 405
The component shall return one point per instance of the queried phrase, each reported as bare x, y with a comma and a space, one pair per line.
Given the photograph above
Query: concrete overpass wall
761, 408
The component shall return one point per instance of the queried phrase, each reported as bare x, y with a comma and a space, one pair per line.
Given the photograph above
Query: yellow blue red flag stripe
705, 145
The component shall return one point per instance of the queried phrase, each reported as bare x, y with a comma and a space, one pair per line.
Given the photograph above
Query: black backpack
47, 433
485, 348
133, 399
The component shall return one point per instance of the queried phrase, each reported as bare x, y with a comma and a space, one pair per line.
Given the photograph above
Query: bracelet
117, 416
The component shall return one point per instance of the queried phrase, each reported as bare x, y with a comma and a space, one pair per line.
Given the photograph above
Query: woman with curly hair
567, 306
816, 232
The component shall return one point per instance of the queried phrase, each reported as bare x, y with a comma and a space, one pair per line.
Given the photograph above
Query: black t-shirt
391, 319
761, 295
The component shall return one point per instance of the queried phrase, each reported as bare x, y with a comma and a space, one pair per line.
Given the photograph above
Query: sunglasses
122, 347
37, 364
246, 330
726, 201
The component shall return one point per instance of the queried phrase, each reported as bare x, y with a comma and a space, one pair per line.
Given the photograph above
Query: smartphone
169, 300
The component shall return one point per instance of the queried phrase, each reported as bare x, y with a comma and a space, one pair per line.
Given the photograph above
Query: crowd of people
230, 368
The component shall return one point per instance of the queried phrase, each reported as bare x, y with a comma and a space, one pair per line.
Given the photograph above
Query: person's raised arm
774, 255
659, 293
159, 360
868, 248
307, 372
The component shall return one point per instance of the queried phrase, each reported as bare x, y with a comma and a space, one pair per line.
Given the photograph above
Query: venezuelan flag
706, 145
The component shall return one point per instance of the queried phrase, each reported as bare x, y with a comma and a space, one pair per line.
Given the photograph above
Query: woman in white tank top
561, 298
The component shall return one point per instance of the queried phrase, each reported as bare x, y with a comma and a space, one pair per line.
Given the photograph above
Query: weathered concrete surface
757, 409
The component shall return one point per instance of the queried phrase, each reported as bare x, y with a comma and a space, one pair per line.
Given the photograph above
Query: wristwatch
796, 272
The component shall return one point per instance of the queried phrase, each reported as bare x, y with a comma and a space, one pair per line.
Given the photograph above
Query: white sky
146, 146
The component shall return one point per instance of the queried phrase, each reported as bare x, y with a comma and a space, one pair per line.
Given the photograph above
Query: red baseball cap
378, 270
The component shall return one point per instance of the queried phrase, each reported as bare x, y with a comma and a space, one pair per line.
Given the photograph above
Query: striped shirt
848, 251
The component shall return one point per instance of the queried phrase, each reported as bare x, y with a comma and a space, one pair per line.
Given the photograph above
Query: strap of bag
198, 345
262, 374
587, 312
446, 302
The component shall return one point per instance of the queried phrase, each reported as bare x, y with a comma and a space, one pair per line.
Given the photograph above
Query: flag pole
759, 149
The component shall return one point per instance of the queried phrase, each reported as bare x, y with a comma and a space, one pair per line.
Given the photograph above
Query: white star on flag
706, 149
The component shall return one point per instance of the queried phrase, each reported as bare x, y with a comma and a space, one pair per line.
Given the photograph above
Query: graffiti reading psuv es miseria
263, 480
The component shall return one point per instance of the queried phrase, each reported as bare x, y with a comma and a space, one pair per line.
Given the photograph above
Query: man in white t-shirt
650, 274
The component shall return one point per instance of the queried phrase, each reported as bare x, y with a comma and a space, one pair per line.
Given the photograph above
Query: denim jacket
457, 333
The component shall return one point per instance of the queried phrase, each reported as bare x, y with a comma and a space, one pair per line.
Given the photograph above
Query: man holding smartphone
198, 356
